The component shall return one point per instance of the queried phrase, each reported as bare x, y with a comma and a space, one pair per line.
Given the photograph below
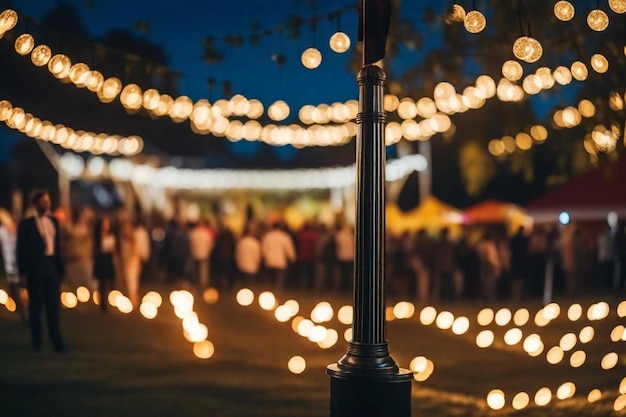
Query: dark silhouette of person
40, 264
104, 242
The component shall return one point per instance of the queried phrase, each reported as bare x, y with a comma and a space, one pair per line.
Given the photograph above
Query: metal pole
366, 381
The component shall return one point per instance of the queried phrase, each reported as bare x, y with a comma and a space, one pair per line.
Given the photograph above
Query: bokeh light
594, 395
428, 315
148, 310
574, 312
82, 294
521, 317
267, 300
586, 334
503, 317
210, 295
484, 339
322, 312
555, 355
203, 349
543, 396
578, 359
513, 336
296, 364
496, 399
566, 390
520, 401
345, 314
445, 320
609, 360
245, 297
460, 325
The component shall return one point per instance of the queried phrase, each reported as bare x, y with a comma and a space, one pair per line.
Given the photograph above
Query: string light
475, 21
8, 20
564, 10
339, 42
618, 6
311, 58
598, 20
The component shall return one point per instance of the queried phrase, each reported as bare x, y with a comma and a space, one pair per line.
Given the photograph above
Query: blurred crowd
106, 250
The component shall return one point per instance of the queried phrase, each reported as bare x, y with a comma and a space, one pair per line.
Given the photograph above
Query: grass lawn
124, 365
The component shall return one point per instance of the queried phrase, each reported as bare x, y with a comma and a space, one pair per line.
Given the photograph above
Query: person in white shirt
278, 252
248, 256
201, 241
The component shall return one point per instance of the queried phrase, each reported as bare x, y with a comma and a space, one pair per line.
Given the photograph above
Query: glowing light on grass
267, 300
598, 311
484, 339
197, 333
322, 312
513, 336
210, 295
555, 355
496, 399
521, 317
586, 335
609, 360
293, 307
282, 313
347, 335
503, 316
551, 311
305, 327
567, 342
621, 309
296, 365
543, 396
574, 312
4, 296
69, 300
148, 310
345, 314
10, 305
82, 294
317, 334
203, 349
113, 296
295, 322
578, 359
428, 315
485, 316
540, 319
566, 390
330, 340
153, 297
445, 320
594, 395
404, 310
426, 373
460, 325
124, 305
245, 297
520, 401
617, 333
620, 403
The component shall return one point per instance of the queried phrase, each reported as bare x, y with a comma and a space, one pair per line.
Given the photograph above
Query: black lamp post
367, 382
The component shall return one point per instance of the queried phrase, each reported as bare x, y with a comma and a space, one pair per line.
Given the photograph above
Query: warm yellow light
598, 20
457, 14
153, 297
496, 399
523, 48
521, 317
555, 355
10, 305
540, 319
566, 390
474, 21
513, 336
503, 316
617, 333
131, 97
41, 55
59, 63
537, 50
8, 20
426, 373
428, 315
322, 312
282, 313
532, 343
203, 349
445, 320
311, 58
621, 309
113, 296
562, 75
577, 359
523, 141
543, 396
594, 395
69, 300
586, 334
609, 360
579, 71
618, 6
622, 386
148, 310
460, 325
124, 305
345, 314
305, 327
404, 310
520, 401
564, 10
317, 334
329, 340
620, 403
418, 364
512, 70
599, 63
347, 335
551, 311
296, 364
24, 44
278, 111
79, 74
267, 300
210, 295
339, 42
82, 294
245, 297
4, 296
111, 87
567, 342
485, 316
598, 311
95, 81
484, 339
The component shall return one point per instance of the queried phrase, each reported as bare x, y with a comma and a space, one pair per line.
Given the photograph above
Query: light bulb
79, 74
537, 50
599, 63
522, 48
41, 55
8, 20
59, 63
579, 71
24, 44
618, 6
457, 13
597, 20
311, 58
475, 21
339, 42
512, 70
564, 10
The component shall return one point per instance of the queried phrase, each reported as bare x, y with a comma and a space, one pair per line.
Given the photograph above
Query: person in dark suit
40, 265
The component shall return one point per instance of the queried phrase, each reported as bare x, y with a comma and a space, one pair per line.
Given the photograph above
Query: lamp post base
355, 394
